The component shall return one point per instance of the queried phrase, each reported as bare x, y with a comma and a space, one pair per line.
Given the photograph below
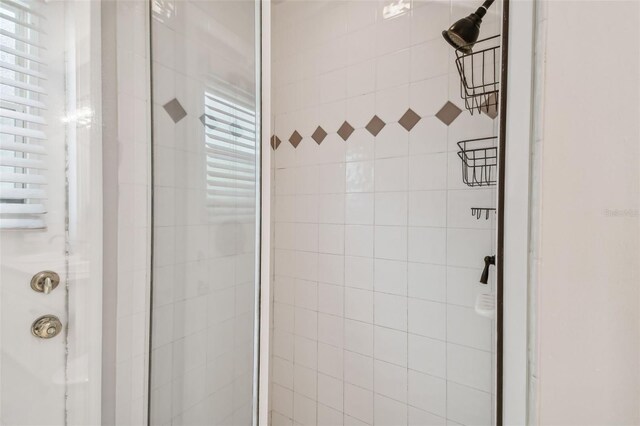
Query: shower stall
381, 168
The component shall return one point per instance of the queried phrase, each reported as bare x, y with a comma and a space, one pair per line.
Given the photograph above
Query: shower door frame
513, 267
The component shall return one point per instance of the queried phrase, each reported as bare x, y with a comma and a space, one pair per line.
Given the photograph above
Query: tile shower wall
377, 257
204, 212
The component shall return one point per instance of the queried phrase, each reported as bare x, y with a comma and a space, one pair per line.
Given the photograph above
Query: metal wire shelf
479, 76
478, 212
479, 161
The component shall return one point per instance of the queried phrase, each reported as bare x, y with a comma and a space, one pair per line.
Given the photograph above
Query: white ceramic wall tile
429, 60
428, 393
426, 17
282, 400
390, 276
304, 410
361, 78
390, 311
468, 406
428, 282
358, 305
331, 239
393, 69
359, 209
330, 299
282, 371
358, 403
468, 247
358, 337
470, 367
391, 208
331, 329
428, 318
305, 352
359, 240
329, 416
392, 102
427, 245
389, 412
330, 391
428, 136
428, 355
358, 370
392, 33
419, 417
359, 272
390, 380
330, 360
465, 327
360, 109
426, 97
390, 345
361, 14
391, 242
360, 176
361, 45
428, 172
305, 381
427, 208
306, 323
463, 286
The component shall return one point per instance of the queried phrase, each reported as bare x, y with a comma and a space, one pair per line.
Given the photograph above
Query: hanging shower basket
479, 161
480, 76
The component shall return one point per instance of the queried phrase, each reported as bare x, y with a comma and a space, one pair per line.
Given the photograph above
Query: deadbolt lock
46, 327
45, 282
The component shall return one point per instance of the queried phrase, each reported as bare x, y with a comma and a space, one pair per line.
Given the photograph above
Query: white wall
377, 256
586, 250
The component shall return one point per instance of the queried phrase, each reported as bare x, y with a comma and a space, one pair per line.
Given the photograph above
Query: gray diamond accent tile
318, 135
345, 130
448, 113
295, 139
175, 110
490, 106
409, 120
275, 142
375, 125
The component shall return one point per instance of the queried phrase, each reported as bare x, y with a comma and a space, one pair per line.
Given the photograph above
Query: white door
50, 212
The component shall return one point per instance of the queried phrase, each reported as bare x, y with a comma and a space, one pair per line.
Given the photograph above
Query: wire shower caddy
479, 161
478, 212
479, 75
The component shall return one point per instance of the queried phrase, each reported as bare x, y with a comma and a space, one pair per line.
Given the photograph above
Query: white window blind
230, 138
22, 104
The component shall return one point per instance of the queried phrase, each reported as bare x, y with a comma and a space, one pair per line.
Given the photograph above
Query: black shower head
464, 33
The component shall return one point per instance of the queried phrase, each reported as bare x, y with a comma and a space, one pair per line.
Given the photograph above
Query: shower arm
482, 10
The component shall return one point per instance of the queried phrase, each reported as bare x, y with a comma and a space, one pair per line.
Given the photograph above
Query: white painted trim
85, 216
516, 209
265, 264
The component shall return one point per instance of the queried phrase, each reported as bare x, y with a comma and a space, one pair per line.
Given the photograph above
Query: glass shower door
205, 174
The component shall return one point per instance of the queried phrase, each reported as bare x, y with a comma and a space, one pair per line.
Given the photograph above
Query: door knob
46, 327
45, 282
